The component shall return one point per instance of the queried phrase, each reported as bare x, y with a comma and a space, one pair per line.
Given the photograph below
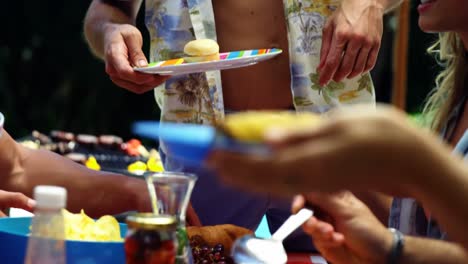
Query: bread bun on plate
201, 50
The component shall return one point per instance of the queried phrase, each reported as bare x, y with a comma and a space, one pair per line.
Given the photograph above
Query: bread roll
201, 50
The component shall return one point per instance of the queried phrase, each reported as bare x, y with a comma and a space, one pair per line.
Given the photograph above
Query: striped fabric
222, 56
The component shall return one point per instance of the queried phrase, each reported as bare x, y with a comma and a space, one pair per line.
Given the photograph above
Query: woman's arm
423, 250
443, 190
362, 151
378, 203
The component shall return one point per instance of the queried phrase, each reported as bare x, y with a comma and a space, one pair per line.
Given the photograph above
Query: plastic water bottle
46, 243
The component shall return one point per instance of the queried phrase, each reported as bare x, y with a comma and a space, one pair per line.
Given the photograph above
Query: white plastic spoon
249, 249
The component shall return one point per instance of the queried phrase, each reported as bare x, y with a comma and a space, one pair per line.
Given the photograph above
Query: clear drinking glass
173, 191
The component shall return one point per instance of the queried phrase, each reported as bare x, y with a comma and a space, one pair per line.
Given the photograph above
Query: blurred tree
49, 79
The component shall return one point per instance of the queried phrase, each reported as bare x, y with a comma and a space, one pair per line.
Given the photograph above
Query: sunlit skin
351, 41
443, 16
341, 236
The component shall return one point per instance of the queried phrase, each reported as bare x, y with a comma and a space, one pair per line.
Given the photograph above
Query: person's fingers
310, 227
334, 57
327, 36
117, 61
330, 243
17, 200
320, 228
361, 62
2, 214
326, 245
134, 42
333, 252
372, 59
325, 230
349, 60
123, 52
119, 67
322, 232
338, 238
140, 88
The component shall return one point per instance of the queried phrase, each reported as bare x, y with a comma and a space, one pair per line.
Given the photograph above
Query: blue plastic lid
189, 143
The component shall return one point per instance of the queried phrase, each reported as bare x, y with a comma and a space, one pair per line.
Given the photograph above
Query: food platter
227, 60
99, 152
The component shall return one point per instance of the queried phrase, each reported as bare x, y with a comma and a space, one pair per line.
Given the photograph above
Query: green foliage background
49, 79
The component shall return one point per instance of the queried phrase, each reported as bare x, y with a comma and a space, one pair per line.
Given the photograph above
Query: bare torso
251, 24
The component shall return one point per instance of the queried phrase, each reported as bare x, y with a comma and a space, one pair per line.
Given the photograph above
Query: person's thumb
136, 56
298, 203
16, 200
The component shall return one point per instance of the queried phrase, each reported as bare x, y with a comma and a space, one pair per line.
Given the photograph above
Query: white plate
228, 60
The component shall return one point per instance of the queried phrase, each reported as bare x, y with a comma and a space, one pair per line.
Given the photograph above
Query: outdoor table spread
119, 162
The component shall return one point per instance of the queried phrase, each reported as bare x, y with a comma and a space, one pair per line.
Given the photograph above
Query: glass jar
151, 239
172, 191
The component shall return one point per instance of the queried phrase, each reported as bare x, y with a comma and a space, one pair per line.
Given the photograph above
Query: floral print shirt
198, 98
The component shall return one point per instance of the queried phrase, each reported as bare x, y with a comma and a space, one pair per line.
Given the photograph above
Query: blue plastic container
190, 144
14, 239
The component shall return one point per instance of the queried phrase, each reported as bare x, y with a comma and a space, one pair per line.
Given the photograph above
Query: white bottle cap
51, 197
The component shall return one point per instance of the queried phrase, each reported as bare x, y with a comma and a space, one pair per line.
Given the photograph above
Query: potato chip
137, 166
155, 165
92, 163
82, 227
110, 225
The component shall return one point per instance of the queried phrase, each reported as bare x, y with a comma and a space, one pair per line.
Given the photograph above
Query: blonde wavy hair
450, 83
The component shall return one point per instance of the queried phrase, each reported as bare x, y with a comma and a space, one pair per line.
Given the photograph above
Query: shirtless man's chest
253, 24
